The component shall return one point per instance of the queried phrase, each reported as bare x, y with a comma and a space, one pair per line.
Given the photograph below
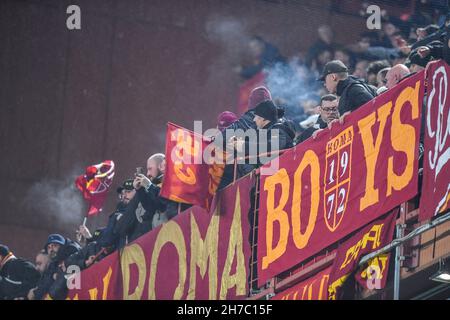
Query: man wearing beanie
265, 113
245, 122
59, 250
226, 119
267, 118
17, 276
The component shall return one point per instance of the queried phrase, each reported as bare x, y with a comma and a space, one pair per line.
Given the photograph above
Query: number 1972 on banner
337, 177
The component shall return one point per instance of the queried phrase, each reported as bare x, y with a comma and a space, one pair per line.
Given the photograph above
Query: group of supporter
343, 77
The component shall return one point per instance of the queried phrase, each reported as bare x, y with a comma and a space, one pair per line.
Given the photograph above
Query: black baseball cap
126, 185
334, 66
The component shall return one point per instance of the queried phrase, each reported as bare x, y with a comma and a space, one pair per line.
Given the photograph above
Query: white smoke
291, 84
56, 202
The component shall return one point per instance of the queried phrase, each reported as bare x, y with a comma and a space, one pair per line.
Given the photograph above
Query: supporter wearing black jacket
52, 281
147, 209
278, 131
17, 276
165, 209
328, 112
353, 92
244, 123
135, 221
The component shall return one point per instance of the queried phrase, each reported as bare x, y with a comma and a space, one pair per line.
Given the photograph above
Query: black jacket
108, 236
439, 49
17, 277
353, 94
66, 250
245, 122
438, 35
276, 131
53, 281
151, 200
320, 124
136, 220
285, 138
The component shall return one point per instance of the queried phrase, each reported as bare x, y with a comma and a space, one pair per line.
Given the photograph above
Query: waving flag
189, 178
94, 185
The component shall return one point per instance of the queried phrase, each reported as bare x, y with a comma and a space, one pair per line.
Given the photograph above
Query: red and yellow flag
189, 177
94, 185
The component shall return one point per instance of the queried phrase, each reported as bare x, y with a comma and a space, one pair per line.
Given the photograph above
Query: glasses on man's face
330, 109
384, 81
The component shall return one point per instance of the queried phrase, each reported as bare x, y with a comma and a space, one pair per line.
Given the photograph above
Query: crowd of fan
379, 61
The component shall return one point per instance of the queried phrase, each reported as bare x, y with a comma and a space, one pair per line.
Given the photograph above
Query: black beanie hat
267, 110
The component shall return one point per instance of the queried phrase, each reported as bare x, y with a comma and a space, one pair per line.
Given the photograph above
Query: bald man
396, 74
140, 211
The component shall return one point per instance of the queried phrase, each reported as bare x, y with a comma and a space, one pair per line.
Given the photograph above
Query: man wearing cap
17, 276
107, 237
351, 91
59, 250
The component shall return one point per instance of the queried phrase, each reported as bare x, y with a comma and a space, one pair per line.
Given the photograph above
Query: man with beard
148, 188
42, 262
52, 282
108, 237
147, 209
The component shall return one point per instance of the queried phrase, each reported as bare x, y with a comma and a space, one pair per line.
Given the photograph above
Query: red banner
313, 288
245, 90
189, 178
196, 255
435, 197
100, 282
371, 238
94, 185
324, 189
